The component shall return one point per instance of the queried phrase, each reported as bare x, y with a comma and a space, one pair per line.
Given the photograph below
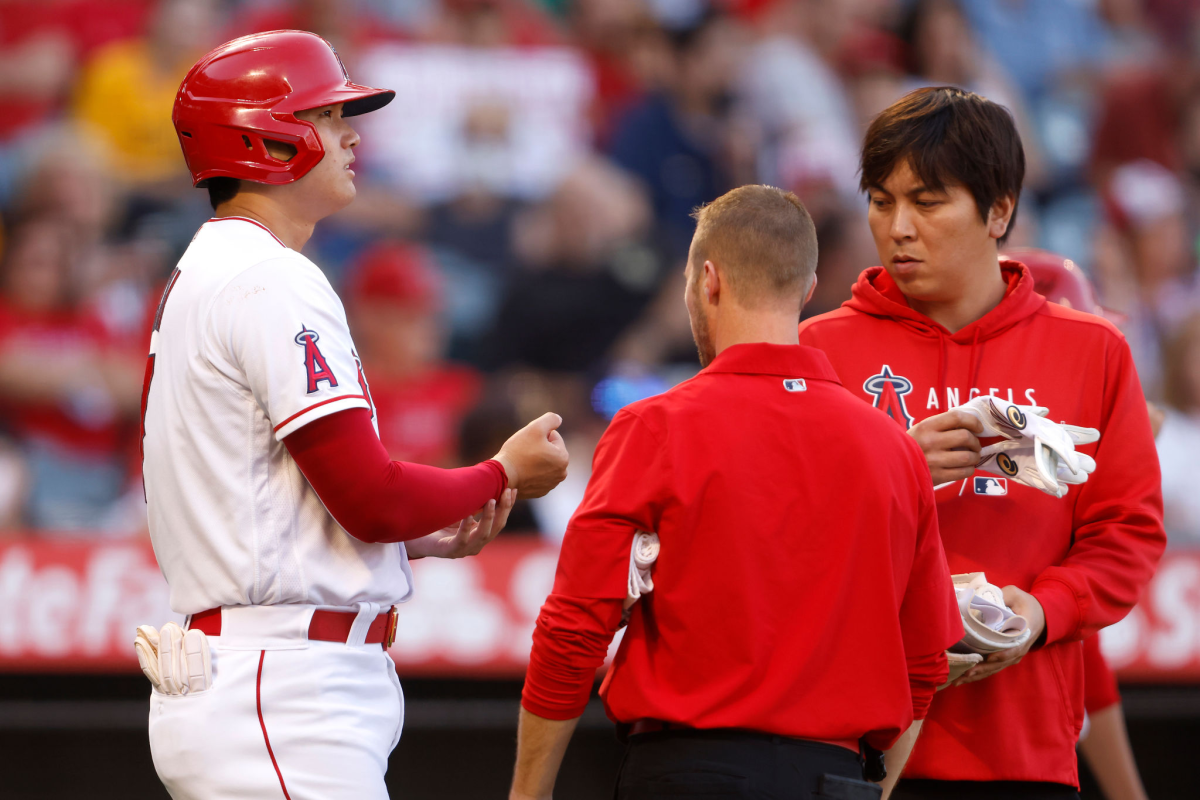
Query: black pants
738, 765
982, 790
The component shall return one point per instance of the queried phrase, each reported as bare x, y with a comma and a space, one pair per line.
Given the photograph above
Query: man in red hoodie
943, 321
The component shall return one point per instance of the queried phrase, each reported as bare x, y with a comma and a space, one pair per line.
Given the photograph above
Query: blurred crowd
523, 214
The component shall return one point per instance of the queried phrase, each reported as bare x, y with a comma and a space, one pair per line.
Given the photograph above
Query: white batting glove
1027, 463
177, 662
1038, 452
145, 644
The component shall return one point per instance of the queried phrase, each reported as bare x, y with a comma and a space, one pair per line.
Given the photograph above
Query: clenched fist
535, 457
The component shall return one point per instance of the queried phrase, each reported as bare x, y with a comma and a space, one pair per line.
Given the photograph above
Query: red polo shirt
801, 586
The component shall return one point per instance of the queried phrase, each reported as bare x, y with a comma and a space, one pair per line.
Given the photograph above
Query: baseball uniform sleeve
279, 330
379, 500
579, 618
1118, 520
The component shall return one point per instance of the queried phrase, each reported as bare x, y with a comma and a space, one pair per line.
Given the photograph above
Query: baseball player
283, 529
942, 322
793, 612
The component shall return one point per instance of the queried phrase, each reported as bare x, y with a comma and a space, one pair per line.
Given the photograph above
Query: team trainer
801, 597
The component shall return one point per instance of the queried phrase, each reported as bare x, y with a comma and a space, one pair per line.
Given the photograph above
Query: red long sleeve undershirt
379, 500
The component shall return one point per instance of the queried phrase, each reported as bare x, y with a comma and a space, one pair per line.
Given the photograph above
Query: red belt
326, 626
657, 726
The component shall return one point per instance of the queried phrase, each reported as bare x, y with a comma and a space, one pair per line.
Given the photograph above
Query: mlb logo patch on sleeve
795, 384
996, 487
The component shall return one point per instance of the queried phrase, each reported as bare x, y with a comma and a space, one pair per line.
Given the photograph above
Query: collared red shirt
800, 570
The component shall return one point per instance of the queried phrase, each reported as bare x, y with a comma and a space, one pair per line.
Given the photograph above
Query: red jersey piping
258, 700
318, 405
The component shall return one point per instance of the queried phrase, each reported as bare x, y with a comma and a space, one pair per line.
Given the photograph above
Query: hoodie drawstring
941, 361
973, 364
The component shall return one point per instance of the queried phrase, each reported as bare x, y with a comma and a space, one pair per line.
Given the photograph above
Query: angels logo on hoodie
889, 390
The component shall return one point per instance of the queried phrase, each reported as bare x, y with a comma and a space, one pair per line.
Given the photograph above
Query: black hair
948, 135
221, 190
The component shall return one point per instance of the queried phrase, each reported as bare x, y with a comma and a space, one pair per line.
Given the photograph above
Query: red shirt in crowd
1085, 557
83, 24
419, 418
87, 423
801, 588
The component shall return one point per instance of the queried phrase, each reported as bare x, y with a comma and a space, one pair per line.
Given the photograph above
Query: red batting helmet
249, 90
1060, 280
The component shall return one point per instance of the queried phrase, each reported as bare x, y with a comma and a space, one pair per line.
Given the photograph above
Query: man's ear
811, 288
1000, 215
711, 283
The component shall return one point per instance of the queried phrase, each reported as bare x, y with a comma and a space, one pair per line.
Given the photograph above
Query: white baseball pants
285, 717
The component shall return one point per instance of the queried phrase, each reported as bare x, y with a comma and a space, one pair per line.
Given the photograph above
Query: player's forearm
897, 756
379, 500
541, 744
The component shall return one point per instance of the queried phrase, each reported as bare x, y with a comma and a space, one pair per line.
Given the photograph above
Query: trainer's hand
535, 457
1027, 606
951, 445
468, 537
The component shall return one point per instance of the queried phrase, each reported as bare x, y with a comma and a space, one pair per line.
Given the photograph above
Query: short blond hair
763, 240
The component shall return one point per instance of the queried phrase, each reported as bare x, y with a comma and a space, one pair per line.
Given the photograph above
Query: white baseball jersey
250, 344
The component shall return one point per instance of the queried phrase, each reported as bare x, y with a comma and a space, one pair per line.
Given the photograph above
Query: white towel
988, 624
642, 556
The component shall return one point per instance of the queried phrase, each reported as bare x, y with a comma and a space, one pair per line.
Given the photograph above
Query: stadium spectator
791, 88
420, 400
1180, 435
64, 393
589, 272
1150, 275
126, 91
675, 140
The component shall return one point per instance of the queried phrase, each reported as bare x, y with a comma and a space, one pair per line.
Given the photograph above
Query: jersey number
158, 315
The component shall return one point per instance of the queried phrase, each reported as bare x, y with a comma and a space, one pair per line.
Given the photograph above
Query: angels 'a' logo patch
314, 361
889, 390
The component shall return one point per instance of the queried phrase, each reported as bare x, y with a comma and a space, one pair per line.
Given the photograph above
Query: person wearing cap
279, 521
394, 300
794, 615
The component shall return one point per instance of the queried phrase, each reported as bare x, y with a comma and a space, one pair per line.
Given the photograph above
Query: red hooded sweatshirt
1086, 557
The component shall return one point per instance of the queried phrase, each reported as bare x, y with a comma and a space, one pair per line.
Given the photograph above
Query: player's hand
468, 537
1027, 606
535, 457
950, 442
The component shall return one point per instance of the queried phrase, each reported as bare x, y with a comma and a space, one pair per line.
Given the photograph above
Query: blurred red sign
73, 606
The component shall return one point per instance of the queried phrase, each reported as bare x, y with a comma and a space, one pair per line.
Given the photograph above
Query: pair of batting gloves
176, 661
1034, 450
